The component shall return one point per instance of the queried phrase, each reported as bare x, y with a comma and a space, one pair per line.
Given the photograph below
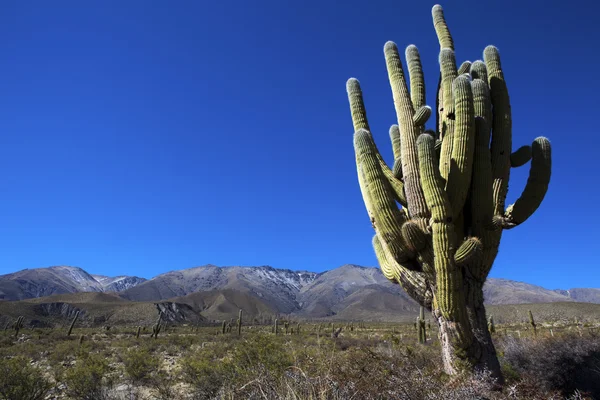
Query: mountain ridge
343, 291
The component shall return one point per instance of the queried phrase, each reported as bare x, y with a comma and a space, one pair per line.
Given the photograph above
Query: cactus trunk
439, 212
73, 323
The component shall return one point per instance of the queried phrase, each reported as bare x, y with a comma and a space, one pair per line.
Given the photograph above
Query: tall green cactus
73, 323
439, 212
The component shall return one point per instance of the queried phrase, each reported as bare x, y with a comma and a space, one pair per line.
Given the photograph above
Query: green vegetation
451, 184
364, 360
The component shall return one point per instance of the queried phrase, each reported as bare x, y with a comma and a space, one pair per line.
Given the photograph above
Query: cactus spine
73, 323
451, 184
239, 323
532, 323
421, 326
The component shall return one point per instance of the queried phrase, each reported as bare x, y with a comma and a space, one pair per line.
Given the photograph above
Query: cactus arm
409, 131
449, 73
520, 157
536, 187
459, 179
415, 237
396, 142
482, 204
359, 119
464, 68
441, 28
413, 282
386, 218
415, 72
502, 128
469, 252
479, 71
357, 105
449, 296
422, 115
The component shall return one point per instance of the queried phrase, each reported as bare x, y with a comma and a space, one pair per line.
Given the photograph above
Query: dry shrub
565, 364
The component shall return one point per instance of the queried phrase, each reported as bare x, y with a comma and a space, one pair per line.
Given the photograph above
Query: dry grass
377, 361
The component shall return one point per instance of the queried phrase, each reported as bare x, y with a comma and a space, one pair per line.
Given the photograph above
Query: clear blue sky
138, 137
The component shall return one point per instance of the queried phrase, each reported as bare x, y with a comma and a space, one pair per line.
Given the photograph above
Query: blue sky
138, 137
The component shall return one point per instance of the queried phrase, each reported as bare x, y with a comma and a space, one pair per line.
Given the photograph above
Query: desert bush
19, 380
88, 379
204, 373
139, 363
564, 363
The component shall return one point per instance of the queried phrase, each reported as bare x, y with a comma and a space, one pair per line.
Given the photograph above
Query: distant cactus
18, 325
137, 334
156, 328
451, 184
224, 328
298, 328
239, 323
73, 323
81, 337
532, 323
491, 326
421, 326
286, 325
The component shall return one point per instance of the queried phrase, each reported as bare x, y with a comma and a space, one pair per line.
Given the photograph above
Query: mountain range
347, 292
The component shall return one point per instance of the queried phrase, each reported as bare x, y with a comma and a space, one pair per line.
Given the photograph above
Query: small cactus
224, 328
156, 328
18, 325
73, 323
532, 323
239, 323
491, 326
81, 337
137, 334
276, 327
421, 326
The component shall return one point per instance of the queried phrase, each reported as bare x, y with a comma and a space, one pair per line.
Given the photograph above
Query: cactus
451, 184
156, 328
532, 323
286, 326
224, 327
239, 323
276, 326
73, 323
137, 334
421, 326
18, 325
81, 337
491, 326
298, 328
